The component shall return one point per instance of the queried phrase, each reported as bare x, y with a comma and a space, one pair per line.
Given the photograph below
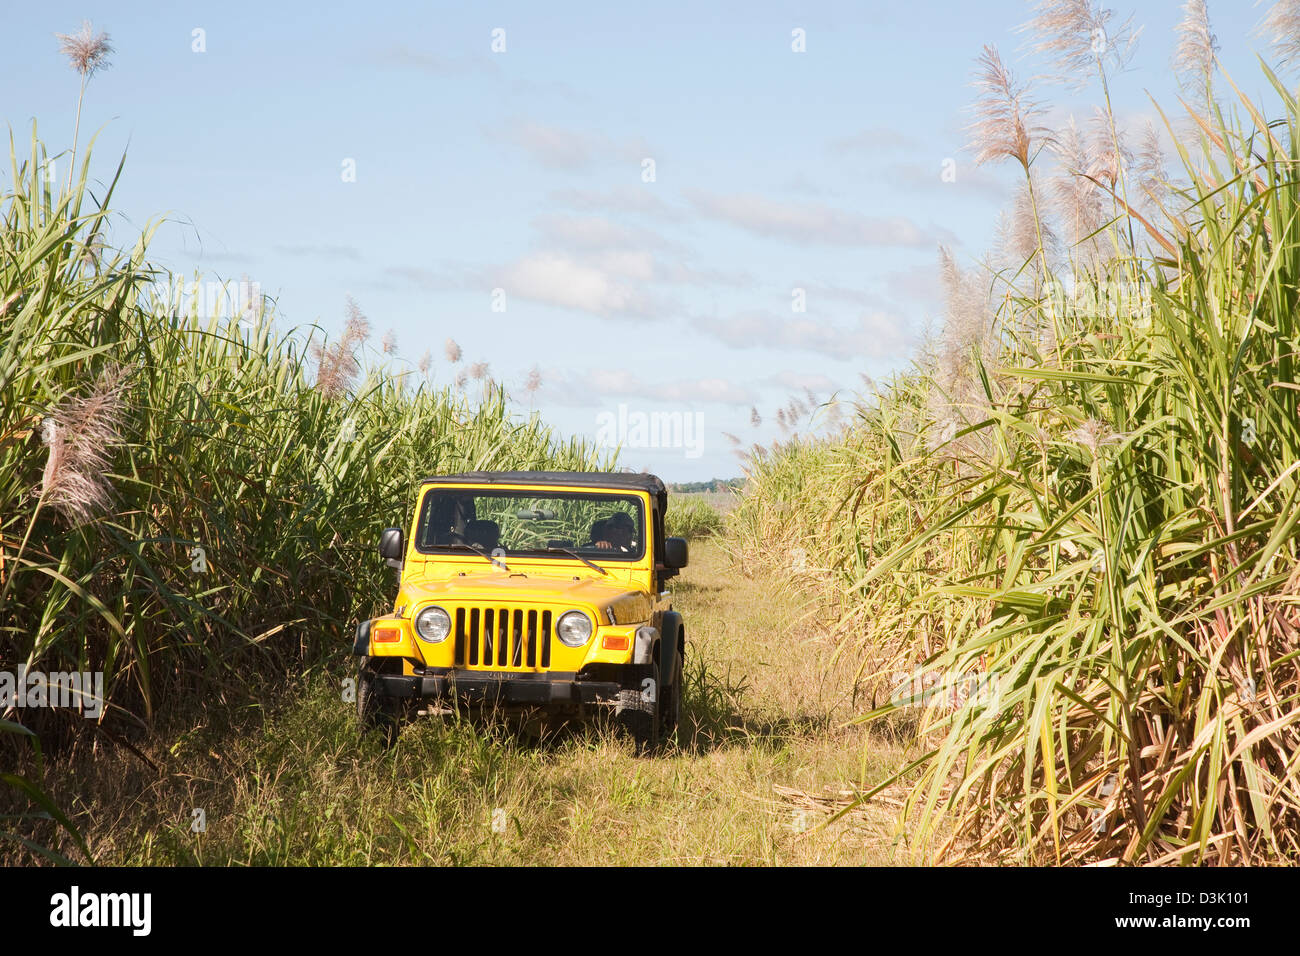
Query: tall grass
233, 523
691, 516
1102, 542
822, 511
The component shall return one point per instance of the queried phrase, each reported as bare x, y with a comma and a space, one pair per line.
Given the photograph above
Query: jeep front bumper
476, 687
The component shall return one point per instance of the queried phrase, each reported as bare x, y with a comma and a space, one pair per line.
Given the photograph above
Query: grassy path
762, 754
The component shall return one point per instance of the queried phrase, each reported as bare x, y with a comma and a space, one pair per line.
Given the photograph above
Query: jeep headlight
574, 629
433, 624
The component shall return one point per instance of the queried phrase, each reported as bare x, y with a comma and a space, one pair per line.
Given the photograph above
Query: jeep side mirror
674, 552
392, 547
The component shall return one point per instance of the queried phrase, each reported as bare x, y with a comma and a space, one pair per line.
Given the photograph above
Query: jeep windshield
596, 526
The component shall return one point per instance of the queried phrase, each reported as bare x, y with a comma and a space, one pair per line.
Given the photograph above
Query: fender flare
672, 637
361, 644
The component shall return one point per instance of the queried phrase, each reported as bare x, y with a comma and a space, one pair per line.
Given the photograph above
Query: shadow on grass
690, 587
717, 714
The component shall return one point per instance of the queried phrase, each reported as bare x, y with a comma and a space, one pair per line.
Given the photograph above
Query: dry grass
763, 764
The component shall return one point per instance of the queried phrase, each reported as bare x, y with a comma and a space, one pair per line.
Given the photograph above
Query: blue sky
525, 170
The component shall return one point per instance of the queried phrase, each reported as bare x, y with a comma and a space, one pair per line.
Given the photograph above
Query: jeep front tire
377, 713
641, 718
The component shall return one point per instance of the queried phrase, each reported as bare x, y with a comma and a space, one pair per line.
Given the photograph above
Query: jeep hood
629, 603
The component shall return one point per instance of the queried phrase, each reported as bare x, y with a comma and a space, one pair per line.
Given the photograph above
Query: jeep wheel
672, 705
641, 718
376, 712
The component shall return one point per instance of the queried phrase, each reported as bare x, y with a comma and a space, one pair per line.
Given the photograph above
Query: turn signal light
386, 635
614, 643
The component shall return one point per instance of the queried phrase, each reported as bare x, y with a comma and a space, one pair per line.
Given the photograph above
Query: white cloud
553, 147
629, 200
919, 283
558, 279
809, 222
625, 250
581, 388
874, 335
803, 380
556, 147
816, 292
596, 232
628, 263
323, 251
969, 180
450, 277
682, 274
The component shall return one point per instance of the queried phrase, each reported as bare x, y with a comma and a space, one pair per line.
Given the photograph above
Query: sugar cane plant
185, 495
1078, 518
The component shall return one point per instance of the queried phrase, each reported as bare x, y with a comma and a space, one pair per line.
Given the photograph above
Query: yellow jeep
536, 593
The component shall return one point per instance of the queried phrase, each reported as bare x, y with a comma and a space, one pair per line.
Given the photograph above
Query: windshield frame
451, 550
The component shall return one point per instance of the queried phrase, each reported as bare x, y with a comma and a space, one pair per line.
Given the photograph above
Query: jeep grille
503, 638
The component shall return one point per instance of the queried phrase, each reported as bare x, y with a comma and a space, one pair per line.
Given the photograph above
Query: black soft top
627, 480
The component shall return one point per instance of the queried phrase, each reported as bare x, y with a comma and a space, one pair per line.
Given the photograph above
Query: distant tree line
713, 484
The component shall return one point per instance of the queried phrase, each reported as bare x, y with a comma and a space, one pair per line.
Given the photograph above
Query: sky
683, 215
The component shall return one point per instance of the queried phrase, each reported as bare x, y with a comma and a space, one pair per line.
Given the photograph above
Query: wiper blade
573, 554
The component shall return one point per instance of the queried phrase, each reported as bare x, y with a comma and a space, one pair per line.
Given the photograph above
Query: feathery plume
452, 351
755, 419
479, 370
1282, 26
93, 250
357, 327
78, 434
1149, 164
1196, 49
86, 50
1023, 229
337, 364
534, 381
334, 370
1077, 35
966, 338
390, 342
966, 320
1108, 153
732, 438
426, 360
1093, 434
462, 377
1078, 198
1004, 114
